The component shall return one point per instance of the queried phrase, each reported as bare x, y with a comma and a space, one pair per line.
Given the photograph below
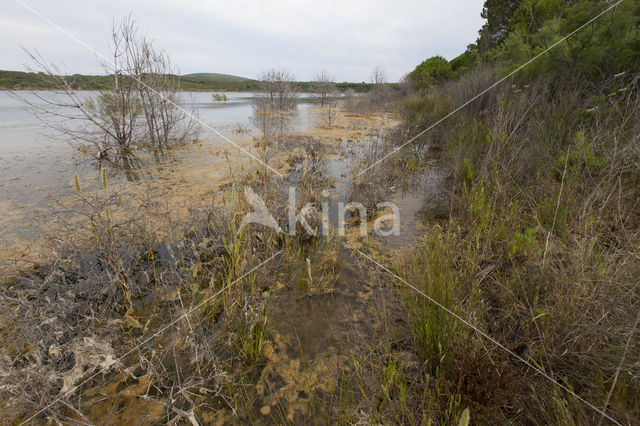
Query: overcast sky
243, 37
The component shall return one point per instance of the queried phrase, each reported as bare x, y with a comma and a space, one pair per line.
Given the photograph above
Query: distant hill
216, 76
205, 82
17, 80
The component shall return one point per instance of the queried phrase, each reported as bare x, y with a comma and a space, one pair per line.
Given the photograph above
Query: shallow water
315, 335
37, 167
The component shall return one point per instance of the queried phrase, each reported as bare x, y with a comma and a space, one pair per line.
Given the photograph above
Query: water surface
37, 166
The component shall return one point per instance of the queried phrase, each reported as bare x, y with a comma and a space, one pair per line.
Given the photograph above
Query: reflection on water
37, 168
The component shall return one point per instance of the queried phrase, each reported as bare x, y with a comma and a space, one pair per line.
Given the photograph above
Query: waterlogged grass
184, 304
202, 284
251, 327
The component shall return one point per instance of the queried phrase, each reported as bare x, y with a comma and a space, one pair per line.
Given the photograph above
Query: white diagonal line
104, 58
171, 324
486, 336
393, 151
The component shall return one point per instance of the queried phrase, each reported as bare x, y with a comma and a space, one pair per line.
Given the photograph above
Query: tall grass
538, 248
432, 328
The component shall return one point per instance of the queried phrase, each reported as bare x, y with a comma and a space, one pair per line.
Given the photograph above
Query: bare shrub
328, 113
407, 86
324, 87
470, 85
274, 106
277, 91
139, 108
157, 84
378, 76
380, 97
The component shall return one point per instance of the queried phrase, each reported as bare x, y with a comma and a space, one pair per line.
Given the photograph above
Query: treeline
19, 80
518, 30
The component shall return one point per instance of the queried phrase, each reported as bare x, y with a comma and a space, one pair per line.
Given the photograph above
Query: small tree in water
139, 108
274, 105
324, 87
277, 91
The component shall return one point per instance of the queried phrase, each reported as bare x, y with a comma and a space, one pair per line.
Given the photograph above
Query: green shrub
431, 71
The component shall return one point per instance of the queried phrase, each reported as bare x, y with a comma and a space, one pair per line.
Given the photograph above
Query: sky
347, 38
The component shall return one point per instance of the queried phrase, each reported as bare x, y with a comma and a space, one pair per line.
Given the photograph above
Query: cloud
347, 38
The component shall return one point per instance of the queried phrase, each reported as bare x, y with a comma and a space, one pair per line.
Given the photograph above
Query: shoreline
187, 175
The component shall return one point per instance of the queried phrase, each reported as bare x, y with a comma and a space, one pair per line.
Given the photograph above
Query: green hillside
198, 82
19, 80
216, 76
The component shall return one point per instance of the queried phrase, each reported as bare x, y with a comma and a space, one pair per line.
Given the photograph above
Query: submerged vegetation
517, 303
